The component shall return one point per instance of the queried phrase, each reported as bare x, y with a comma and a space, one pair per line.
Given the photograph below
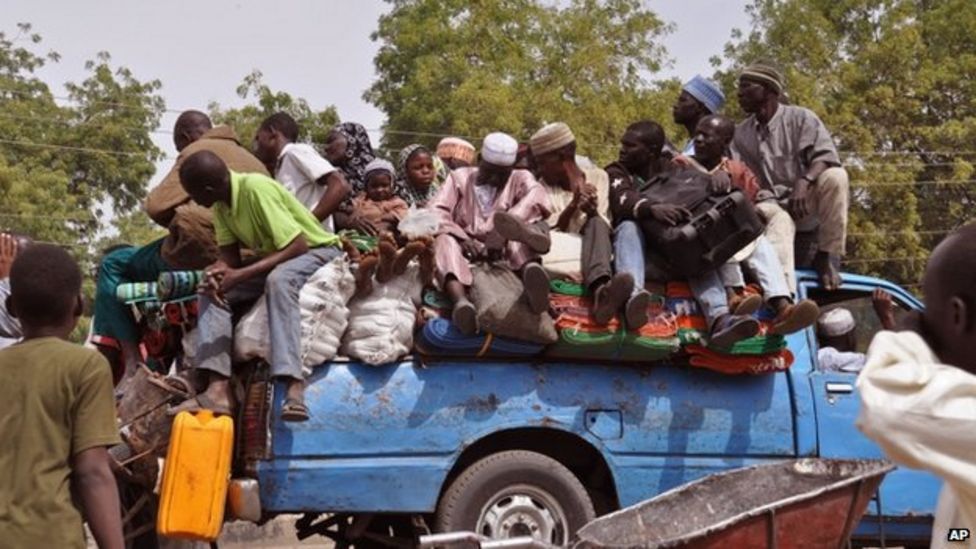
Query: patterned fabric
406, 191
176, 284
359, 153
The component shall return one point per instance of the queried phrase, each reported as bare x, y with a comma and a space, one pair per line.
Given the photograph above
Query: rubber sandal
635, 312
294, 410
514, 229
746, 304
465, 317
732, 329
611, 296
535, 281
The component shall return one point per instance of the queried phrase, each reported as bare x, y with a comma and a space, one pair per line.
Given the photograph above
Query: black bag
720, 226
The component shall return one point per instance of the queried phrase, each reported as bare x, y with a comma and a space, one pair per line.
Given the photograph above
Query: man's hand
588, 204
669, 214
8, 252
363, 225
884, 308
800, 199
470, 248
721, 183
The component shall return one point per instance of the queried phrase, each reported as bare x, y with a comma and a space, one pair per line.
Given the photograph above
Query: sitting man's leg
725, 329
525, 243
781, 232
831, 199
215, 342
789, 317
610, 291
454, 275
628, 258
285, 322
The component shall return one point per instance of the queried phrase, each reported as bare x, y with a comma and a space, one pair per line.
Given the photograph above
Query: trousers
281, 289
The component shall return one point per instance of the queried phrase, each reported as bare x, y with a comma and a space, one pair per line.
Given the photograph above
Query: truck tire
516, 493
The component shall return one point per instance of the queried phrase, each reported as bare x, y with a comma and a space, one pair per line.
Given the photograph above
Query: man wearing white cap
581, 219
468, 203
699, 98
835, 335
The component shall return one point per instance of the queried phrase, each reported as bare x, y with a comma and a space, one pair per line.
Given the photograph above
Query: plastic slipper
294, 410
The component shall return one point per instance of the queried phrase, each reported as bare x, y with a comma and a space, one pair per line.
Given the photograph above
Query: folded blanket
176, 284
702, 357
440, 337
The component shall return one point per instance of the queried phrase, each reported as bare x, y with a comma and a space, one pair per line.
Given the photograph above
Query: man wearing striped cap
699, 98
794, 156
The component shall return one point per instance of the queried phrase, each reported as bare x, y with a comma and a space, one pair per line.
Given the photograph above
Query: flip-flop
611, 296
198, 403
746, 305
294, 410
635, 311
731, 330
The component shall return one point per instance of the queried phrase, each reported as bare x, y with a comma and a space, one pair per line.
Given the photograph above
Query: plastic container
195, 476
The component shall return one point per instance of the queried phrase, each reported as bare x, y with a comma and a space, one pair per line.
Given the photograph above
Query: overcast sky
316, 49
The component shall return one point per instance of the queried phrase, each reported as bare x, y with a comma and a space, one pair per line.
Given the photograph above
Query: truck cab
539, 446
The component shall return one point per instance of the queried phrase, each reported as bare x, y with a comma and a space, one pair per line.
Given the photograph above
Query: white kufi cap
835, 322
499, 149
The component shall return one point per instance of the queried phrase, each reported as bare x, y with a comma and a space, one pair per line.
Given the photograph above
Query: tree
891, 78
64, 163
469, 68
314, 124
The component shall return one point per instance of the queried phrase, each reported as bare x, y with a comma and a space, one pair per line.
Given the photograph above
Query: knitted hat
457, 148
379, 165
835, 322
706, 92
499, 149
765, 74
550, 138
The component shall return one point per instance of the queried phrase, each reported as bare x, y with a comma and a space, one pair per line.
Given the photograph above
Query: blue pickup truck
540, 447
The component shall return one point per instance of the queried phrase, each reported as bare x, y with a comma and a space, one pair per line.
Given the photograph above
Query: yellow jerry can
195, 476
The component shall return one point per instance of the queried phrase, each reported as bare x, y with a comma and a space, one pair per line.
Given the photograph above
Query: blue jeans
764, 262
628, 248
280, 288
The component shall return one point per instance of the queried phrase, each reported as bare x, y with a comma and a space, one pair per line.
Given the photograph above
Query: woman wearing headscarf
418, 175
348, 148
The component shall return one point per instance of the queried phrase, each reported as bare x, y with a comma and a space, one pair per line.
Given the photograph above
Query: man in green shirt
57, 417
255, 211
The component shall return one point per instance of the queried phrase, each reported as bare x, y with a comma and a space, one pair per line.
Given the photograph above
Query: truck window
860, 305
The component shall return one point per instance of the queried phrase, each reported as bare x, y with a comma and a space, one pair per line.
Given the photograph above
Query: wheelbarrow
807, 503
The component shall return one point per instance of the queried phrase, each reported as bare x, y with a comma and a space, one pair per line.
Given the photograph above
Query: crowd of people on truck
261, 221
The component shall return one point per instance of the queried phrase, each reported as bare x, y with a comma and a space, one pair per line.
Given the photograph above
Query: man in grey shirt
793, 155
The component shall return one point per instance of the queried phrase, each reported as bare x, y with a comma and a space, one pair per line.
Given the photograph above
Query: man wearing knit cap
455, 152
469, 203
699, 98
580, 220
793, 155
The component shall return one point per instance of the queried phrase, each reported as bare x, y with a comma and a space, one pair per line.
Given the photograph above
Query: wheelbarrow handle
470, 539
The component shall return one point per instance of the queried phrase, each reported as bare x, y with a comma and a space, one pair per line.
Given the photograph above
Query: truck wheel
516, 493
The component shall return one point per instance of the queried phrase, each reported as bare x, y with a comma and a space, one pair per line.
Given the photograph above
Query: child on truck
918, 387
254, 211
58, 415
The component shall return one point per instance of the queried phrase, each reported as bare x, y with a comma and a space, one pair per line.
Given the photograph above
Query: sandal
199, 403
294, 410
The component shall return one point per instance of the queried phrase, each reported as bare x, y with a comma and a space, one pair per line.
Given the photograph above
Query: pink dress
463, 218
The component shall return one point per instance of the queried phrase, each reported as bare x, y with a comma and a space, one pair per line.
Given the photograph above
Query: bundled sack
720, 226
497, 295
440, 337
381, 324
252, 336
325, 315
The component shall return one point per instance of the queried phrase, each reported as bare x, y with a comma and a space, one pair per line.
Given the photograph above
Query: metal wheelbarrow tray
806, 503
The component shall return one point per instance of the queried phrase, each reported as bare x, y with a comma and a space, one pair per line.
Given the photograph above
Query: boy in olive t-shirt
58, 415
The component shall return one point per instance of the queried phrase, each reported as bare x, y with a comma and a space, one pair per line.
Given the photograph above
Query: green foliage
314, 124
892, 80
469, 68
62, 164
